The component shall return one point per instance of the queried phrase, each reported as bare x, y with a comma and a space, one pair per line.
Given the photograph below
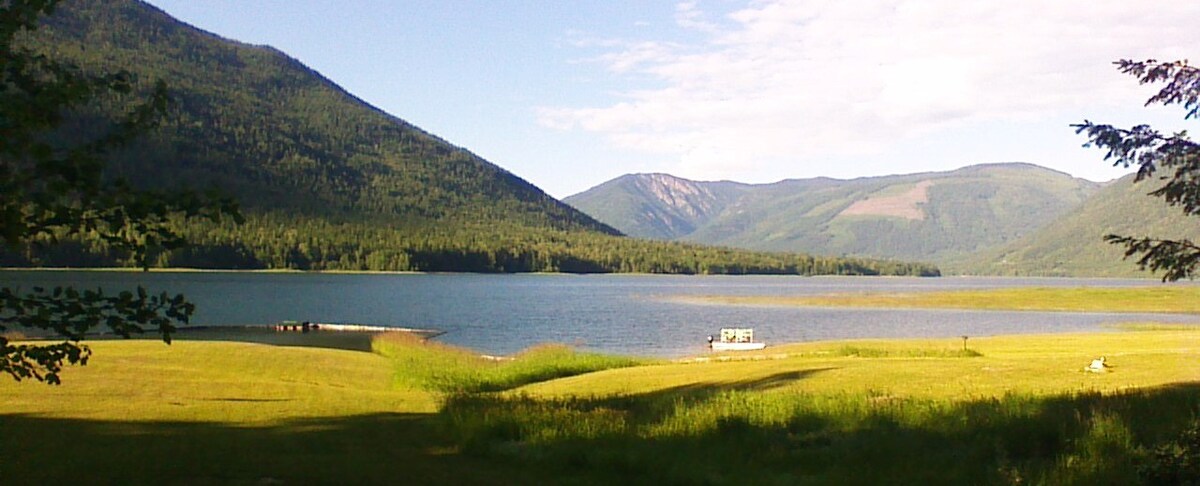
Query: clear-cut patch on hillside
904, 205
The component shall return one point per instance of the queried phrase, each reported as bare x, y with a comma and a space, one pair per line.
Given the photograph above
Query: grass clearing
211, 381
1016, 409
1172, 300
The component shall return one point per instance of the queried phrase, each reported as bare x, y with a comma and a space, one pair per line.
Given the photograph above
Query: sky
568, 94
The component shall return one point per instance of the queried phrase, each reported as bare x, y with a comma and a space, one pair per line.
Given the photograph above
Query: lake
625, 314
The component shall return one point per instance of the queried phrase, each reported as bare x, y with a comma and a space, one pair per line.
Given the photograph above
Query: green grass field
1082, 299
1011, 410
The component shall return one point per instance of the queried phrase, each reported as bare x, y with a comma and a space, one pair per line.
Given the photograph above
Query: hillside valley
938, 216
327, 181
991, 219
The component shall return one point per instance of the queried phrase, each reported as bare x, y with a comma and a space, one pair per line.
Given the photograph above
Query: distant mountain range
1010, 218
929, 216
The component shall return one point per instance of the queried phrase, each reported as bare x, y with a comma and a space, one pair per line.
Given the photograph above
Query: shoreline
200, 270
410, 272
360, 341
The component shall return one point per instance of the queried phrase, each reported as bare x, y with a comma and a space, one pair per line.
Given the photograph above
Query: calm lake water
626, 314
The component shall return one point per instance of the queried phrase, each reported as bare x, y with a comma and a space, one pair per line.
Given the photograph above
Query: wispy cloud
787, 80
689, 16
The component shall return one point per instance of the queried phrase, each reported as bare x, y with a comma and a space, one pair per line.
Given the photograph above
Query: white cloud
792, 80
688, 16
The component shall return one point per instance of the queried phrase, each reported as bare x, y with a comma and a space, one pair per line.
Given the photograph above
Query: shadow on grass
770, 382
547, 363
742, 432
729, 433
656, 405
370, 449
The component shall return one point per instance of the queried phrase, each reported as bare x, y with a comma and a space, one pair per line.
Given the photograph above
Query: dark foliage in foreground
1154, 152
1177, 461
54, 186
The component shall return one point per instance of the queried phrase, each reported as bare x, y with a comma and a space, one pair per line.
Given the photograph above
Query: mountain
937, 216
326, 180
1073, 245
658, 205
279, 136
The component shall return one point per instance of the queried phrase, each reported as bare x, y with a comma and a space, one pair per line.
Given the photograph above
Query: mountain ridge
931, 216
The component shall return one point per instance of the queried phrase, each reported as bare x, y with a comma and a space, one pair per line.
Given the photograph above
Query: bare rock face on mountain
658, 206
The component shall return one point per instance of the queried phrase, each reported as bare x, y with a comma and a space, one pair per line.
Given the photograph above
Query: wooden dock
307, 326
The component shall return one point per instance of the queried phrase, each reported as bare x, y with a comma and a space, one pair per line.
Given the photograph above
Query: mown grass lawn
228, 413
1015, 409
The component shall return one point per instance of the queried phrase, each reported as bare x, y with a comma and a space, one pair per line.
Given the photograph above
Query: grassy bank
435, 367
1174, 300
1009, 410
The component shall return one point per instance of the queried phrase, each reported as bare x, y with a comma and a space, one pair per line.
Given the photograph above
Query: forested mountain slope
1074, 244
934, 216
329, 182
279, 136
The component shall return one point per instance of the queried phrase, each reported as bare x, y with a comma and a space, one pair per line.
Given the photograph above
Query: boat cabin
735, 339
734, 335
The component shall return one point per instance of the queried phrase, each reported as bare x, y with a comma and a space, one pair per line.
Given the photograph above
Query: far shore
410, 272
1183, 299
195, 270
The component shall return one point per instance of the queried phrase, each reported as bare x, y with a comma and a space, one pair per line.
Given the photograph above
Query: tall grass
866, 352
429, 365
732, 432
718, 436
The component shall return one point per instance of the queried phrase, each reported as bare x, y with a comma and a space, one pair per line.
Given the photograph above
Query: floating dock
349, 327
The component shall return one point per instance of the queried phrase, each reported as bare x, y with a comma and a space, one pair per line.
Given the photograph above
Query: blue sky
569, 94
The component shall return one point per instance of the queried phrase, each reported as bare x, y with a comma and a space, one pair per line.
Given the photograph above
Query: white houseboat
735, 339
